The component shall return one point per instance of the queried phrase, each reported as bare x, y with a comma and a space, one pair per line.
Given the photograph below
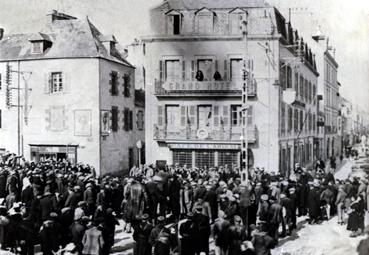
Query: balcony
165, 134
203, 88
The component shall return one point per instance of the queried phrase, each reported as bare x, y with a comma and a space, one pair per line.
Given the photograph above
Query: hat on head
145, 216
264, 197
161, 218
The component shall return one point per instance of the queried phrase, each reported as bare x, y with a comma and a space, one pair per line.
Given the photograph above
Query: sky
345, 22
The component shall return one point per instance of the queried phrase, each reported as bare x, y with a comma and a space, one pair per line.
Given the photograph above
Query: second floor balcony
203, 88
226, 134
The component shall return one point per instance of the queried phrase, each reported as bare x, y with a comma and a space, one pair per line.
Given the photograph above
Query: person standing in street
141, 235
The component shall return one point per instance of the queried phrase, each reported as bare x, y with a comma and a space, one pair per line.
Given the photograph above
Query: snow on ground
323, 239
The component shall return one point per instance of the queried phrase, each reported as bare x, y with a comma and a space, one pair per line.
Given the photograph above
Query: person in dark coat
141, 236
89, 197
47, 205
355, 221
293, 199
236, 236
174, 188
201, 231
160, 238
74, 197
220, 233
49, 243
27, 194
314, 204
212, 198
108, 230
3, 177
274, 218
66, 219
186, 233
286, 220
77, 230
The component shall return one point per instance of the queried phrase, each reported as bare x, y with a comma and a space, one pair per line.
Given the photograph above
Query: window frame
59, 85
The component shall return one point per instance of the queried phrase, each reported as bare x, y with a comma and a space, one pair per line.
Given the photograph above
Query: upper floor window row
205, 22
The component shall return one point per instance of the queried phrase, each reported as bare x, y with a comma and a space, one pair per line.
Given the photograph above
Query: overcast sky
346, 23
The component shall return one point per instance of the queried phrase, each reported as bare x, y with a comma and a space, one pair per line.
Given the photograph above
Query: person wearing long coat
314, 205
355, 221
93, 241
201, 232
236, 236
141, 236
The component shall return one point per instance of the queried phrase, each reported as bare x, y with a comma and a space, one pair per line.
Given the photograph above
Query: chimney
55, 15
1, 33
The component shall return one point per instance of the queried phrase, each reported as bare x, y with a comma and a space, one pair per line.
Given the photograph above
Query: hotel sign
204, 146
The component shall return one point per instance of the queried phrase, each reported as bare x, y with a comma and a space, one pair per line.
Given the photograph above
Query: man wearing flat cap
141, 235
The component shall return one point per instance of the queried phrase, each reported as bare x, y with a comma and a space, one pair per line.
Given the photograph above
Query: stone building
77, 96
192, 72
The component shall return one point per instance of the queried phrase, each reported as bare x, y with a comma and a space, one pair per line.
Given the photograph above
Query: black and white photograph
184, 127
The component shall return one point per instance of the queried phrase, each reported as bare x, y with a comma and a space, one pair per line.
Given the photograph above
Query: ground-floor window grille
182, 157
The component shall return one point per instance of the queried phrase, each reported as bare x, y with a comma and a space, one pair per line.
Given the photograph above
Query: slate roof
74, 38
211, 4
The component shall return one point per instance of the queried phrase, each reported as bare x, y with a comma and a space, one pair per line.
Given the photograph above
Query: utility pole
244, 138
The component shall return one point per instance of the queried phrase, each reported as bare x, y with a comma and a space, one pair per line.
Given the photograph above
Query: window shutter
192, 116
161, 69
193, 70
216, 115
47, 83
250, 120
216, 65
160, 115
225, 76
184, 70
114, 118
130, 120
183, 116
66, 83
225, 115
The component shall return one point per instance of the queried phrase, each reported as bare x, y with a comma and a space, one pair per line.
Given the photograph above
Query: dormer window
236, 19
37, 47
109, 42
205, 21
39, 43
174, 22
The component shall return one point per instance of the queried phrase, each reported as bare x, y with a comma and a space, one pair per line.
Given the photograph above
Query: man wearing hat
160, 238
89, 197
186, 232
274, 218
141, 235
201, 231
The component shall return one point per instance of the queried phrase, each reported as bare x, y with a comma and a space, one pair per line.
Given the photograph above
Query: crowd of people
173, 210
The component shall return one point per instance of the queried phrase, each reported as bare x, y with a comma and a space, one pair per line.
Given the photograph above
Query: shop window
182, 157
204, 158
228, 157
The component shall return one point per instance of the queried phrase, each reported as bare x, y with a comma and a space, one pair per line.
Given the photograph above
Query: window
127, 85
236, 68
250, 119
296, 120
297, 84
235, 20
126, 125
174, 24
302, 87
1, 82
205, 24
204, 158
114, 83
114, 118
301, 120
182, 157
206, 67
283, 119
172, 70
0, 119
289, 77
37, 47
290, 116
228, 157
205, 116
236, 115
56, 82
172, 116
140, 120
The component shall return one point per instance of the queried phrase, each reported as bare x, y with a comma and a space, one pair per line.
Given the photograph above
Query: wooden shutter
192, 115
216, 116
250, 116
66, 83
114, 118
225, 76
193, 70
47, 83
161, 71
183, 116
130, 120
160, 115
184, 70
225, 115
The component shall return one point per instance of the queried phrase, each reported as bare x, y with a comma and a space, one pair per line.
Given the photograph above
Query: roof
74, 38
211, 4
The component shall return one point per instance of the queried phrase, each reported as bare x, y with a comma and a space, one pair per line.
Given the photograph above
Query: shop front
207, 155
54, 152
